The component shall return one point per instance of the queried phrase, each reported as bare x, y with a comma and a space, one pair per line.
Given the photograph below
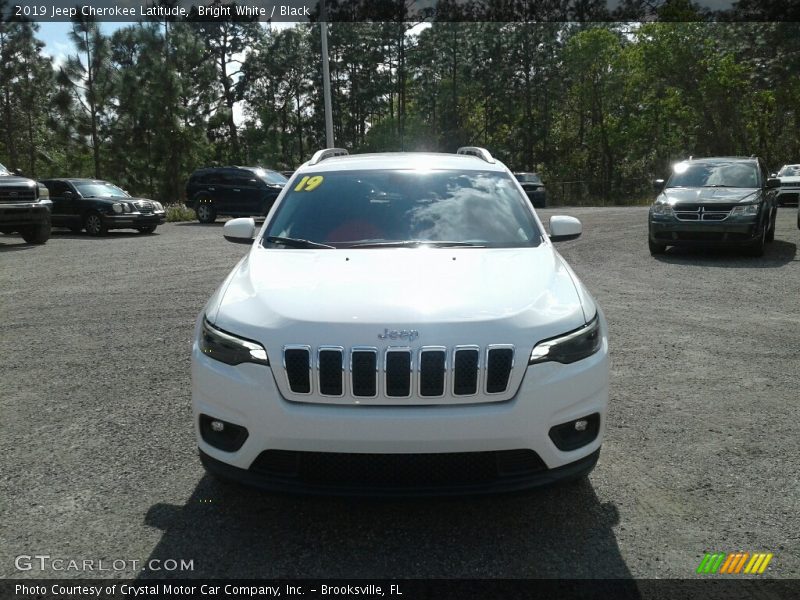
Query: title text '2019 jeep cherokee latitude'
401, 324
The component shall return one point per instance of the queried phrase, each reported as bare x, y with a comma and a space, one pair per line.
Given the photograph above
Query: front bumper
133, 220
550, 394
674, 232
22, 214
788, 195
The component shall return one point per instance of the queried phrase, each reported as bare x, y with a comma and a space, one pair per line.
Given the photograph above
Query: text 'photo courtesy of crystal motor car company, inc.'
442, 345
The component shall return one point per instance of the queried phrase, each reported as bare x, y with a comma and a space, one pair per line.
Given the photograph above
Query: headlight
126, 207
158, 205
570, 347
228, 348
117, 207
745, 210
662, 208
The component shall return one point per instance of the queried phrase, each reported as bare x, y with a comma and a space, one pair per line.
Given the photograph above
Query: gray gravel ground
98, 456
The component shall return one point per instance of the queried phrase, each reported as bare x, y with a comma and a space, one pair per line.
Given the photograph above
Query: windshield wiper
416, 244
295, 242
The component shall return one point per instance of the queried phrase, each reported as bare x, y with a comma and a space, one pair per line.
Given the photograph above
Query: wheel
148, 229
656, 248
757, 248
771, 231
205, 211
36, 234
94, 224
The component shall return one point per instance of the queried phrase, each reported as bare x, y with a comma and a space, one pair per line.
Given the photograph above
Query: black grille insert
330, 372
398, 470
498, 369
365, 367
398, 373
298, 369
465, 366
431, 376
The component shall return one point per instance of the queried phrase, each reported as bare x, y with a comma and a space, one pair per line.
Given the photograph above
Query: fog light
576, 434
222, 434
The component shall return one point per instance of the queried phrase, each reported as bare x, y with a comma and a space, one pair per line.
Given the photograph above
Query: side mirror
564, 228
773, 183
240, 231
68, 195
658, 185
773, 174
18, 172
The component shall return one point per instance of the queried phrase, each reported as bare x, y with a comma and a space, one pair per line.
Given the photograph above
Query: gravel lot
99, 462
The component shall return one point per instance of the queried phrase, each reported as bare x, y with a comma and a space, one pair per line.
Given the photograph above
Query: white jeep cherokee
400, 325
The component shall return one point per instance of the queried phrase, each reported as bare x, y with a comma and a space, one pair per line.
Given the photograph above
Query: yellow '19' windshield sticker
308, 184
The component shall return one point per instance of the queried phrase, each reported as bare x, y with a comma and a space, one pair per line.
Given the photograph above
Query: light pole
326, 79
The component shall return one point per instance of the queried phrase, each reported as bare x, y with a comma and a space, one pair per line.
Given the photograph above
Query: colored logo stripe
734, 563
711, 562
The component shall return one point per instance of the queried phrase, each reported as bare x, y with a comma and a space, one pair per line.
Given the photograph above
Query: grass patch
179, 212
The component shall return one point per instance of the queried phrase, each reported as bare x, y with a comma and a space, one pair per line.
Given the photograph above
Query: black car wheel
757, 248
94, 224
36, 234
148, 229
205, 211
656, 248
771, 231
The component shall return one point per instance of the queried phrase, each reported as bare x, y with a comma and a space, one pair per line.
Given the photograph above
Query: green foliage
599, 109
177, 213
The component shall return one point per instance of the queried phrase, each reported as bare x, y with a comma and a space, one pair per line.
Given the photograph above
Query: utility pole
326, 79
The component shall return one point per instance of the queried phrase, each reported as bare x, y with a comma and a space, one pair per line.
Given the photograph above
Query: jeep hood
708, 195
451, 296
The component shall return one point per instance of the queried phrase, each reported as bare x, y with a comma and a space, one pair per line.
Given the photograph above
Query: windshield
4, 171
716, 174
272, 177
527, 178
100, 189
789, 171
404, 207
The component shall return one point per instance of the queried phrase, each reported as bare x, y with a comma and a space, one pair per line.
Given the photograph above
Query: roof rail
481, 153
321, 155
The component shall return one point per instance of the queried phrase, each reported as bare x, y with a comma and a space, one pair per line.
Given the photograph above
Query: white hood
349, 297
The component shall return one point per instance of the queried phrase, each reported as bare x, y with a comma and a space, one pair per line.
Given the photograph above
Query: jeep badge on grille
399, 334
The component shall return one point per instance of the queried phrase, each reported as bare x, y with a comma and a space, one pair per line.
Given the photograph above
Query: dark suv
534, 188
721, 201
24, 207
232, 191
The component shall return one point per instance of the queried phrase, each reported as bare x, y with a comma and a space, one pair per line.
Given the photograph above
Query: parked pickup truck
24, 207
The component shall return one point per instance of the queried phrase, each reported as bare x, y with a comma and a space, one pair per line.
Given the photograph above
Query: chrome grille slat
364, 372
399, 372
466, 370
330, 370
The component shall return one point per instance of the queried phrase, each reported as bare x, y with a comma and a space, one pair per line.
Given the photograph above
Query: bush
179, 212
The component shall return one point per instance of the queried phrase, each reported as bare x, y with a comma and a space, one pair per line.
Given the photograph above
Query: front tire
148, 229
757, 248
205, 211
771, 231
37, 234
656, 248
95, 225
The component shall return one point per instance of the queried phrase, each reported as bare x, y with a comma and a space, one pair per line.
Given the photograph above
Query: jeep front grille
398, 372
